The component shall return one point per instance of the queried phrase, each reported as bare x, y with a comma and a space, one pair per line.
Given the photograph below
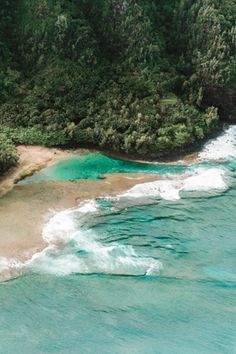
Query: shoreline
32, 158
185, 156
184, 159
35, 204
26, 208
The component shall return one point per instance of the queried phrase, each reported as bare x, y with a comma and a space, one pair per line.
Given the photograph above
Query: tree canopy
137, 76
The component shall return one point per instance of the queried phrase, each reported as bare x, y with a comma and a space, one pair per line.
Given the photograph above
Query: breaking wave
72, 249
222, 148
202, 180
84, 253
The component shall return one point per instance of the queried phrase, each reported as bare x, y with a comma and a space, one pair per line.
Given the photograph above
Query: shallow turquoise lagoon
95, 165
140, 275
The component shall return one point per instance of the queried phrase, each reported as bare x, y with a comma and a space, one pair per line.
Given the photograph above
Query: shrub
8, 153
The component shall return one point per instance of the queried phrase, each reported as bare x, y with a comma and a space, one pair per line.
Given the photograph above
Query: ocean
151, 270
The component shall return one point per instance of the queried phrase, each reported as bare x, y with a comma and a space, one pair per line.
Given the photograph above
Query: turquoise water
139, 275
95, 165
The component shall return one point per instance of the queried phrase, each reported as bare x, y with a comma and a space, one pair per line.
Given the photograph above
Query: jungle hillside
143, 77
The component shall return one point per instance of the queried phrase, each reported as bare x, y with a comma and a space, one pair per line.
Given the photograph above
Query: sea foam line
59, 229
74, 250
169, 189
222, 148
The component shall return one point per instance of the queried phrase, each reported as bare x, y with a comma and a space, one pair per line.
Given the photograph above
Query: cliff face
137, 76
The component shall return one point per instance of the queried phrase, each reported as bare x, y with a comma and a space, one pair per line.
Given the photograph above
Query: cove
95, 165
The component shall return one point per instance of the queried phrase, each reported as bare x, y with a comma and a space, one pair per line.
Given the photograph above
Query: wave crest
84, 253
201, 180
222, 148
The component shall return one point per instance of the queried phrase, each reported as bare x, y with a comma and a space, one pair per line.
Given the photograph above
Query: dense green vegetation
137, 76
8, 154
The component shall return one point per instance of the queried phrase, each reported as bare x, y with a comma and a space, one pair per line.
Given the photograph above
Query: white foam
206, 180
7, 264
114, 260
13, 267
166, 189
83, 252
62, 225
89, 206
222, 148
169, 189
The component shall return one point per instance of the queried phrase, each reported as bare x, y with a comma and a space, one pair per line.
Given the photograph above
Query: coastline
36, 204
31, 159
184, 156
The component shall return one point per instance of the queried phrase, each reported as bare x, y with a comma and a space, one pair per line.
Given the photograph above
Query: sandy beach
34, 158
24, 209
31, 160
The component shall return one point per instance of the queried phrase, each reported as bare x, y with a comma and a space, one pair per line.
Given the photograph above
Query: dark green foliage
8, 154
143, 125
207, 36
126, 75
